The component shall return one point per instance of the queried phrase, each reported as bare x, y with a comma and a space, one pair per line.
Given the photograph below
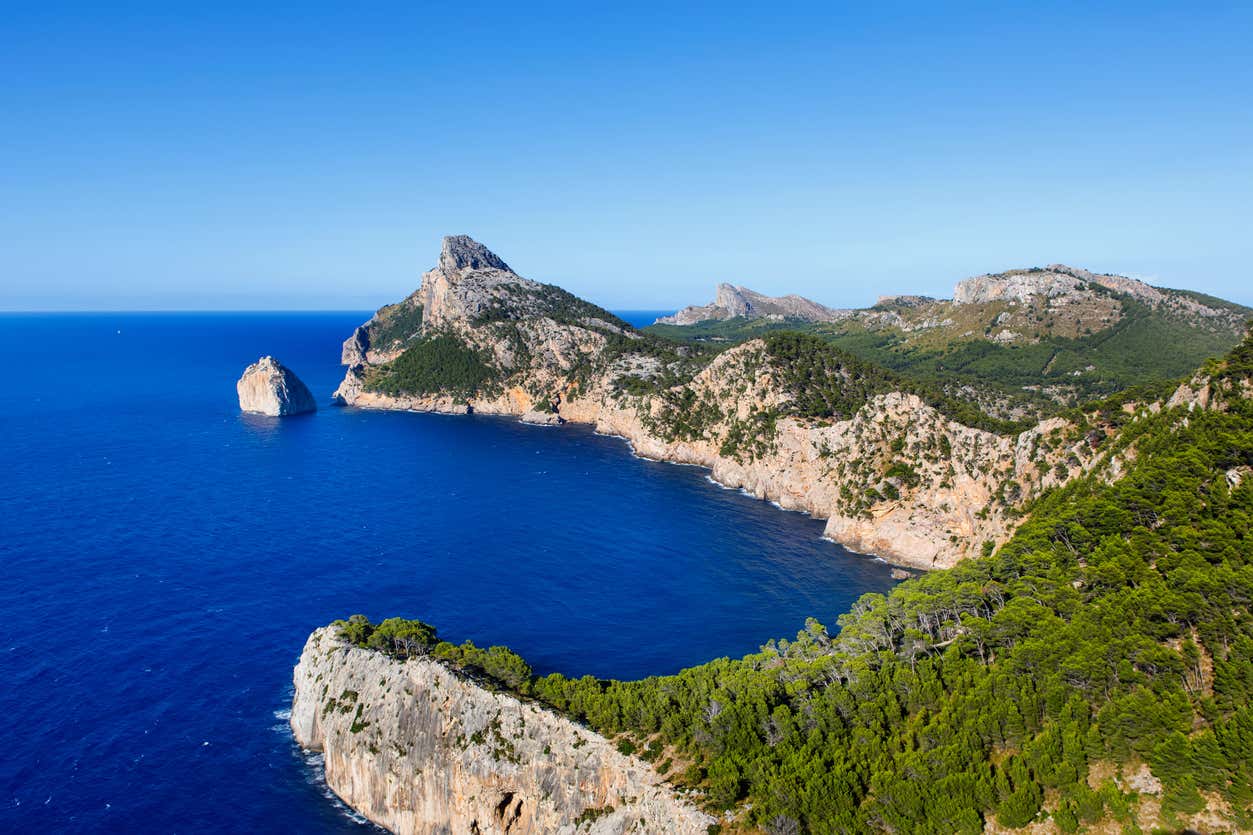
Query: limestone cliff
896, 478
267, 387
418, 749
893, 475
731, 302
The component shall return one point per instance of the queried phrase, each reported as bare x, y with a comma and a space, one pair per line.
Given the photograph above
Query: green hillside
1113, 632
1044, 372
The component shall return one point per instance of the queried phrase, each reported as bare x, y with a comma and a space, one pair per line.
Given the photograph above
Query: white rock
418, 749
268, 388
541, 418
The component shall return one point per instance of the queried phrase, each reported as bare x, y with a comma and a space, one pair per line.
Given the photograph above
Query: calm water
165, 557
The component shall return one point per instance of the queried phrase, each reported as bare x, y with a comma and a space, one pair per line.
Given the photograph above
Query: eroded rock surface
420, 750
731, 301
267, 387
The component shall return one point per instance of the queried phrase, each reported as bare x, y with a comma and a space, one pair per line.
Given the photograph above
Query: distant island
1079, 656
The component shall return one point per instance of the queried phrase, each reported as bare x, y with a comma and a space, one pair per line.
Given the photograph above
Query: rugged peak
1078, 284
461, 252
1077, 272
731, 301
1021, 285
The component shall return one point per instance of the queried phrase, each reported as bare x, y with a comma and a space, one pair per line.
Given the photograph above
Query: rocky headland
267, 387
895, 472
419, 748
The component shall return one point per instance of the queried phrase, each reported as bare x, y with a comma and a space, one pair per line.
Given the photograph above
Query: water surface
165, 557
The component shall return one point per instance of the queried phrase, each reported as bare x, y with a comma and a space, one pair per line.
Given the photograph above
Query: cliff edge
417, 748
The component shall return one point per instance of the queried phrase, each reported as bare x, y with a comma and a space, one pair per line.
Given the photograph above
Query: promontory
923, 466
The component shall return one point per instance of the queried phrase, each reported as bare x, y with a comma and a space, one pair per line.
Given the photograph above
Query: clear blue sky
311, 156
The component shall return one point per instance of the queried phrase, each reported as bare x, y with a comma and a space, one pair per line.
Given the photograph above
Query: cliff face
269, 388
417, 749
731, 301
897, 479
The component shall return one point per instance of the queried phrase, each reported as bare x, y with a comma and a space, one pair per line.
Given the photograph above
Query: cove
166, 557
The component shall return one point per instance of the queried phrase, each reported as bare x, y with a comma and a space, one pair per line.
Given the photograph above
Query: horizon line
94, 310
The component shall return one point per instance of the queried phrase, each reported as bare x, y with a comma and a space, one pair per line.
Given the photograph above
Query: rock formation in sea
418, 748
267, 387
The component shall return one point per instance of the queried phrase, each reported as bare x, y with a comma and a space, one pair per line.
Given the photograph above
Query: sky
311, 156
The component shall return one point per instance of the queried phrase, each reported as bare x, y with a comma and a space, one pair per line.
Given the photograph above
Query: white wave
316, 776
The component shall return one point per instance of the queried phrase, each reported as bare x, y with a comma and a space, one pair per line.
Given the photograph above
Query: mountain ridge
1014, 285
1083, 657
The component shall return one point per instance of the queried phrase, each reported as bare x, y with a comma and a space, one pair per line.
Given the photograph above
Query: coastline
911, 548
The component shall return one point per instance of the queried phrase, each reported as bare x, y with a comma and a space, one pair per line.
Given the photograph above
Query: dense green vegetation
1144, 346
434, 364
396, 323
736, 329
822, 381
405, 638
1114, 628
546, 300
827, 381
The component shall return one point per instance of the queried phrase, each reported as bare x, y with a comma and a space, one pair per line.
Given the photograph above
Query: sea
164, 558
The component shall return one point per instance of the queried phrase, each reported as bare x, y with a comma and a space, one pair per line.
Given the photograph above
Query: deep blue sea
164, 558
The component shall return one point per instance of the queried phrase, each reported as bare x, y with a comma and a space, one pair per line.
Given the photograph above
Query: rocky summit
267, 387
732, 302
